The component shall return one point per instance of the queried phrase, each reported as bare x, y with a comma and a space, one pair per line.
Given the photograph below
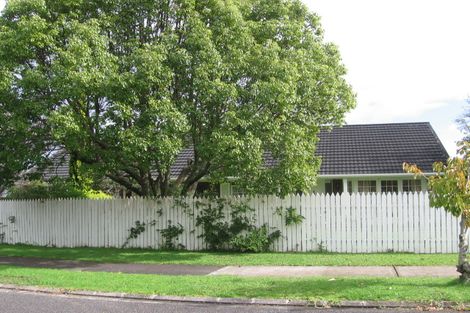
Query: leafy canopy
125, 85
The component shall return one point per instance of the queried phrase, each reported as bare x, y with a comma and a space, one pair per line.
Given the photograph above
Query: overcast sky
407, 60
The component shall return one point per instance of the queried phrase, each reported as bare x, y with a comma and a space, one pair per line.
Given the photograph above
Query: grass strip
387, 289
111, 255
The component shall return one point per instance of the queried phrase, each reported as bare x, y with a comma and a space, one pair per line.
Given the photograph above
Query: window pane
334, 186
328, 188
389, 185
206, 188
366, 186
412, 185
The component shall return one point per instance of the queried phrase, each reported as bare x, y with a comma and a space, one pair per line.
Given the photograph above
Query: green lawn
223, 259
393, 289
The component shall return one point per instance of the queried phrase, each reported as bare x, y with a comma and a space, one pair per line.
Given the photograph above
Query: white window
389, 185
412, 185
366, 186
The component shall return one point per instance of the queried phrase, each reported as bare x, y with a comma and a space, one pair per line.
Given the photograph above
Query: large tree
25, 140
125, 85
450, 189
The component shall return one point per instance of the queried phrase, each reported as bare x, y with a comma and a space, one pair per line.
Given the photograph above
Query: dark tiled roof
182, 160
351, 149
379, 148
187, 155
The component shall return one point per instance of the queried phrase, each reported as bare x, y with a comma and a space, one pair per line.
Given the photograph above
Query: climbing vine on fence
259, 239
170, 235
291, 216
239, 233
135, 231
225, 225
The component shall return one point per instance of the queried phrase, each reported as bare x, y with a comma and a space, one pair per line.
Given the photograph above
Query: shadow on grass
100, 255
147, 256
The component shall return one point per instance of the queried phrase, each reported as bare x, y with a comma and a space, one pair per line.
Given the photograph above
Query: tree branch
122, 181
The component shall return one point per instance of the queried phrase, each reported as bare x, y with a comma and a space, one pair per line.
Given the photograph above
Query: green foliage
427, 293
216, 231
151, 256
240, 234
170, 234
450, 189
258, 239
56, 188
125, 85
290, 215
134, 232
242, 218
450, 185
95, 195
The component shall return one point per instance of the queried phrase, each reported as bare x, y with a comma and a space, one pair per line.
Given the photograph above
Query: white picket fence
351, 223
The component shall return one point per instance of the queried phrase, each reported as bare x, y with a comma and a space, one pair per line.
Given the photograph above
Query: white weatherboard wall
339, 223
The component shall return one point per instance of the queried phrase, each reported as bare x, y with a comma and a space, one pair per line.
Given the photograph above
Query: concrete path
339, 271
248, 271
302, 271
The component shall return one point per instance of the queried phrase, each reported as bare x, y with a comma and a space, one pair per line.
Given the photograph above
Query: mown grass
109, 255
386, 289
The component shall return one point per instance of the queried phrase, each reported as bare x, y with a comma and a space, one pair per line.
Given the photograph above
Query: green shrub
55, 188
216, 231
95, 195
258, 239
240, 234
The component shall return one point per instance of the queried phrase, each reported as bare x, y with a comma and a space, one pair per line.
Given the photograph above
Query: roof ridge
384, 124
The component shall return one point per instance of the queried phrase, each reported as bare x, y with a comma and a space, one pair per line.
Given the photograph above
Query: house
355, 158
364, 158
369, 158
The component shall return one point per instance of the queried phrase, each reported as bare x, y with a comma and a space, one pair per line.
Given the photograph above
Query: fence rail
354, 223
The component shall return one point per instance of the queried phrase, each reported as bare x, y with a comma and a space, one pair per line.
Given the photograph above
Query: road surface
28, 302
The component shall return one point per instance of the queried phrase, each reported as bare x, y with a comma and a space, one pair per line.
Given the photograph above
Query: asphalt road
27, 302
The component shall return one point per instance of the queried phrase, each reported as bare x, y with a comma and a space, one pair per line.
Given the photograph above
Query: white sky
408, 60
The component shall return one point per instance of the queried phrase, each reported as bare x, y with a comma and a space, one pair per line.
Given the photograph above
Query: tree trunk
463, 266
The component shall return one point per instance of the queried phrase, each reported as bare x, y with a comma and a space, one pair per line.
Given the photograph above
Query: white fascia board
371, 175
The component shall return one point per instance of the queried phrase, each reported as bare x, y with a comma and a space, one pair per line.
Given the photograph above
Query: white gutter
371, 175
231, 178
